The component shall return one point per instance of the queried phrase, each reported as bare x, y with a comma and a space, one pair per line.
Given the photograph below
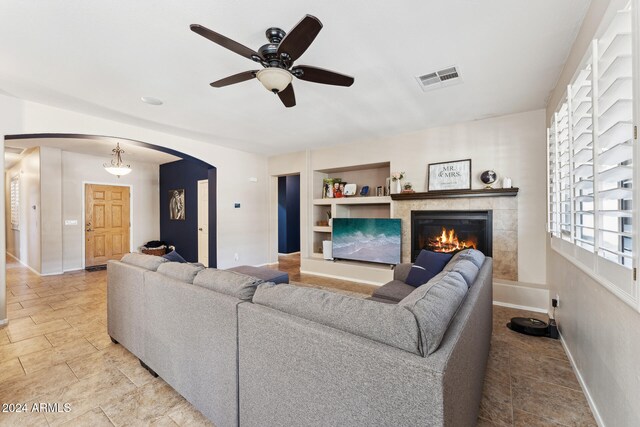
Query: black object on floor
96, 267
529, 326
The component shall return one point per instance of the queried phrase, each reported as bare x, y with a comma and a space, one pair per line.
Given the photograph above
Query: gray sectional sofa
252, 354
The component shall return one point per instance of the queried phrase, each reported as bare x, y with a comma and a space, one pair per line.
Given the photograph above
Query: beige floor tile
113, 356
100, 340
525, 419
24, 347
19, 298
21, 290
26, 312
496, 401
56, 314
4, 338
23, 419
42, 301
185, 415
22, 333
93, 418
558, 404
144, 405
65, 336
13, 307
547, 369
32, 386
55, 355
85, 394
10, 369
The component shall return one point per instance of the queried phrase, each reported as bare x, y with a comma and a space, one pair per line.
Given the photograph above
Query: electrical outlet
557, 300
236, 257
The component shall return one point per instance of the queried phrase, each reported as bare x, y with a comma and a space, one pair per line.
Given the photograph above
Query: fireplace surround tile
505, 227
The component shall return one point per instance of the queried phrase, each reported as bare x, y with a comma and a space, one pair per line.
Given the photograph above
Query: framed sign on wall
455, 175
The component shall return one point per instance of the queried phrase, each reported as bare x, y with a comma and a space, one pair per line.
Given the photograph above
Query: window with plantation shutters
15, 202
614, 154
591, 149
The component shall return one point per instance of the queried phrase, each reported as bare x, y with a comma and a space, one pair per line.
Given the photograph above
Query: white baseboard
348, 279
583, 385
68, 270
4, 322
290, 254
525, 296
24, 263
521, 307
266, 264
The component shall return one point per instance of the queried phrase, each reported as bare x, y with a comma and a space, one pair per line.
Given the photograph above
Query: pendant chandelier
117, 166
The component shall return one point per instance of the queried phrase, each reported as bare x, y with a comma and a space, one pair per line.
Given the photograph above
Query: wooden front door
106, 223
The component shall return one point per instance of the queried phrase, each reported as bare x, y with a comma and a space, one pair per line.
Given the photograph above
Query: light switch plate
70, 222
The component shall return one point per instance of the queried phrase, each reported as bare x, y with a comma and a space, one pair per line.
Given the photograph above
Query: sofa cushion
263, 273
228, 282
180, 271
148, 262
434, 304
465, 267
427, 265
174, 257
473, 255
395, 290
385, 323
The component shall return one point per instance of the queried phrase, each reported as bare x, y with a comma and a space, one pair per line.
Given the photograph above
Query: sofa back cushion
228, 282
180, 271
434, 304
148, 262
465, 267
473, 255
385, 323
427, 265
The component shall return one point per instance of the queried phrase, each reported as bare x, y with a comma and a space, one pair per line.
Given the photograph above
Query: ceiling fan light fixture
274, 79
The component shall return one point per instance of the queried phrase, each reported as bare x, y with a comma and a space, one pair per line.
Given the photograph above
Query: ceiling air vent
445, 77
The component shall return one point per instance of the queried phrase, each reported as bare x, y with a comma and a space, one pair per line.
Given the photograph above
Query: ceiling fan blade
226, 42
300, 37
320, 75
287, 96
236, 78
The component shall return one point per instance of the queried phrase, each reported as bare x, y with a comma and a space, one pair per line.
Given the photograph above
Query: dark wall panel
288, 214
185, 174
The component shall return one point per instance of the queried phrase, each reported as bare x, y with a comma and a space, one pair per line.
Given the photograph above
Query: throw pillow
173, 256
427, 265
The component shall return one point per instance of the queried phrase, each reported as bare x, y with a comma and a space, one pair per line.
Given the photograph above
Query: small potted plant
396, 177
407, 187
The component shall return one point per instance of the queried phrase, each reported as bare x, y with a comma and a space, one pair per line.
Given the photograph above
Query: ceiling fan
277, 58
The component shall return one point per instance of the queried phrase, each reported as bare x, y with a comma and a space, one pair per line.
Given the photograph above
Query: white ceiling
95, 147
101, 56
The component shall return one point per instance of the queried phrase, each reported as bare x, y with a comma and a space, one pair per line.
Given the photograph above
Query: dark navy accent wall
184, 234
288, 214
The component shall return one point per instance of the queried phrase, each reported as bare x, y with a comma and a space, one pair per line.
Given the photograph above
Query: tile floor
56, 350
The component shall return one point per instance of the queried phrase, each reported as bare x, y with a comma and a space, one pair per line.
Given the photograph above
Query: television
367, 239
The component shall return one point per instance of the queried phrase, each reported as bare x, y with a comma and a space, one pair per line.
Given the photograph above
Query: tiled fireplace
504, 226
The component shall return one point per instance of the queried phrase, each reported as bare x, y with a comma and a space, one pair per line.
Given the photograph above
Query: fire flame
448, 242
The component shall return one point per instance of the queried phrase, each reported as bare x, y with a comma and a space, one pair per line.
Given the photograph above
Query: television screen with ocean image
367, 239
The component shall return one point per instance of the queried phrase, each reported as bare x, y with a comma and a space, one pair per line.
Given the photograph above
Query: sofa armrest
401, 271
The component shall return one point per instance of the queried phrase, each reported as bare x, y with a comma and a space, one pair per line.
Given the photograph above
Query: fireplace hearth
451, 231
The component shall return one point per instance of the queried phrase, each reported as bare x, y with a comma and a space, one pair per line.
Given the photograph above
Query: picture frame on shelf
452, 175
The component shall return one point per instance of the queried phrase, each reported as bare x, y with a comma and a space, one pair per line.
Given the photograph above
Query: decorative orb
488, 177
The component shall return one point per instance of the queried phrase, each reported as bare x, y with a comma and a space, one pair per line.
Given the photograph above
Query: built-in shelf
322, 229
448, 194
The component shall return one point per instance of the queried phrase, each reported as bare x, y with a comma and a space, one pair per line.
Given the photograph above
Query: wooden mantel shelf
449, 194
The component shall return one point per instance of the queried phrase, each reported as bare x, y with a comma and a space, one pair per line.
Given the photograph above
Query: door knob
200, 229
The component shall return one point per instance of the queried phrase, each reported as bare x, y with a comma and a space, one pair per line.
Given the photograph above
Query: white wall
512, 145
25, 243
244, 231
50, 211
79, 168
600, 331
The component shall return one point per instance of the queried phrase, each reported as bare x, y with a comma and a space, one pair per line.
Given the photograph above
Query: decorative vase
398, 186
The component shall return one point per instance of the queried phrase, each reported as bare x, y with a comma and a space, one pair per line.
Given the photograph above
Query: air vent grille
438, 79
